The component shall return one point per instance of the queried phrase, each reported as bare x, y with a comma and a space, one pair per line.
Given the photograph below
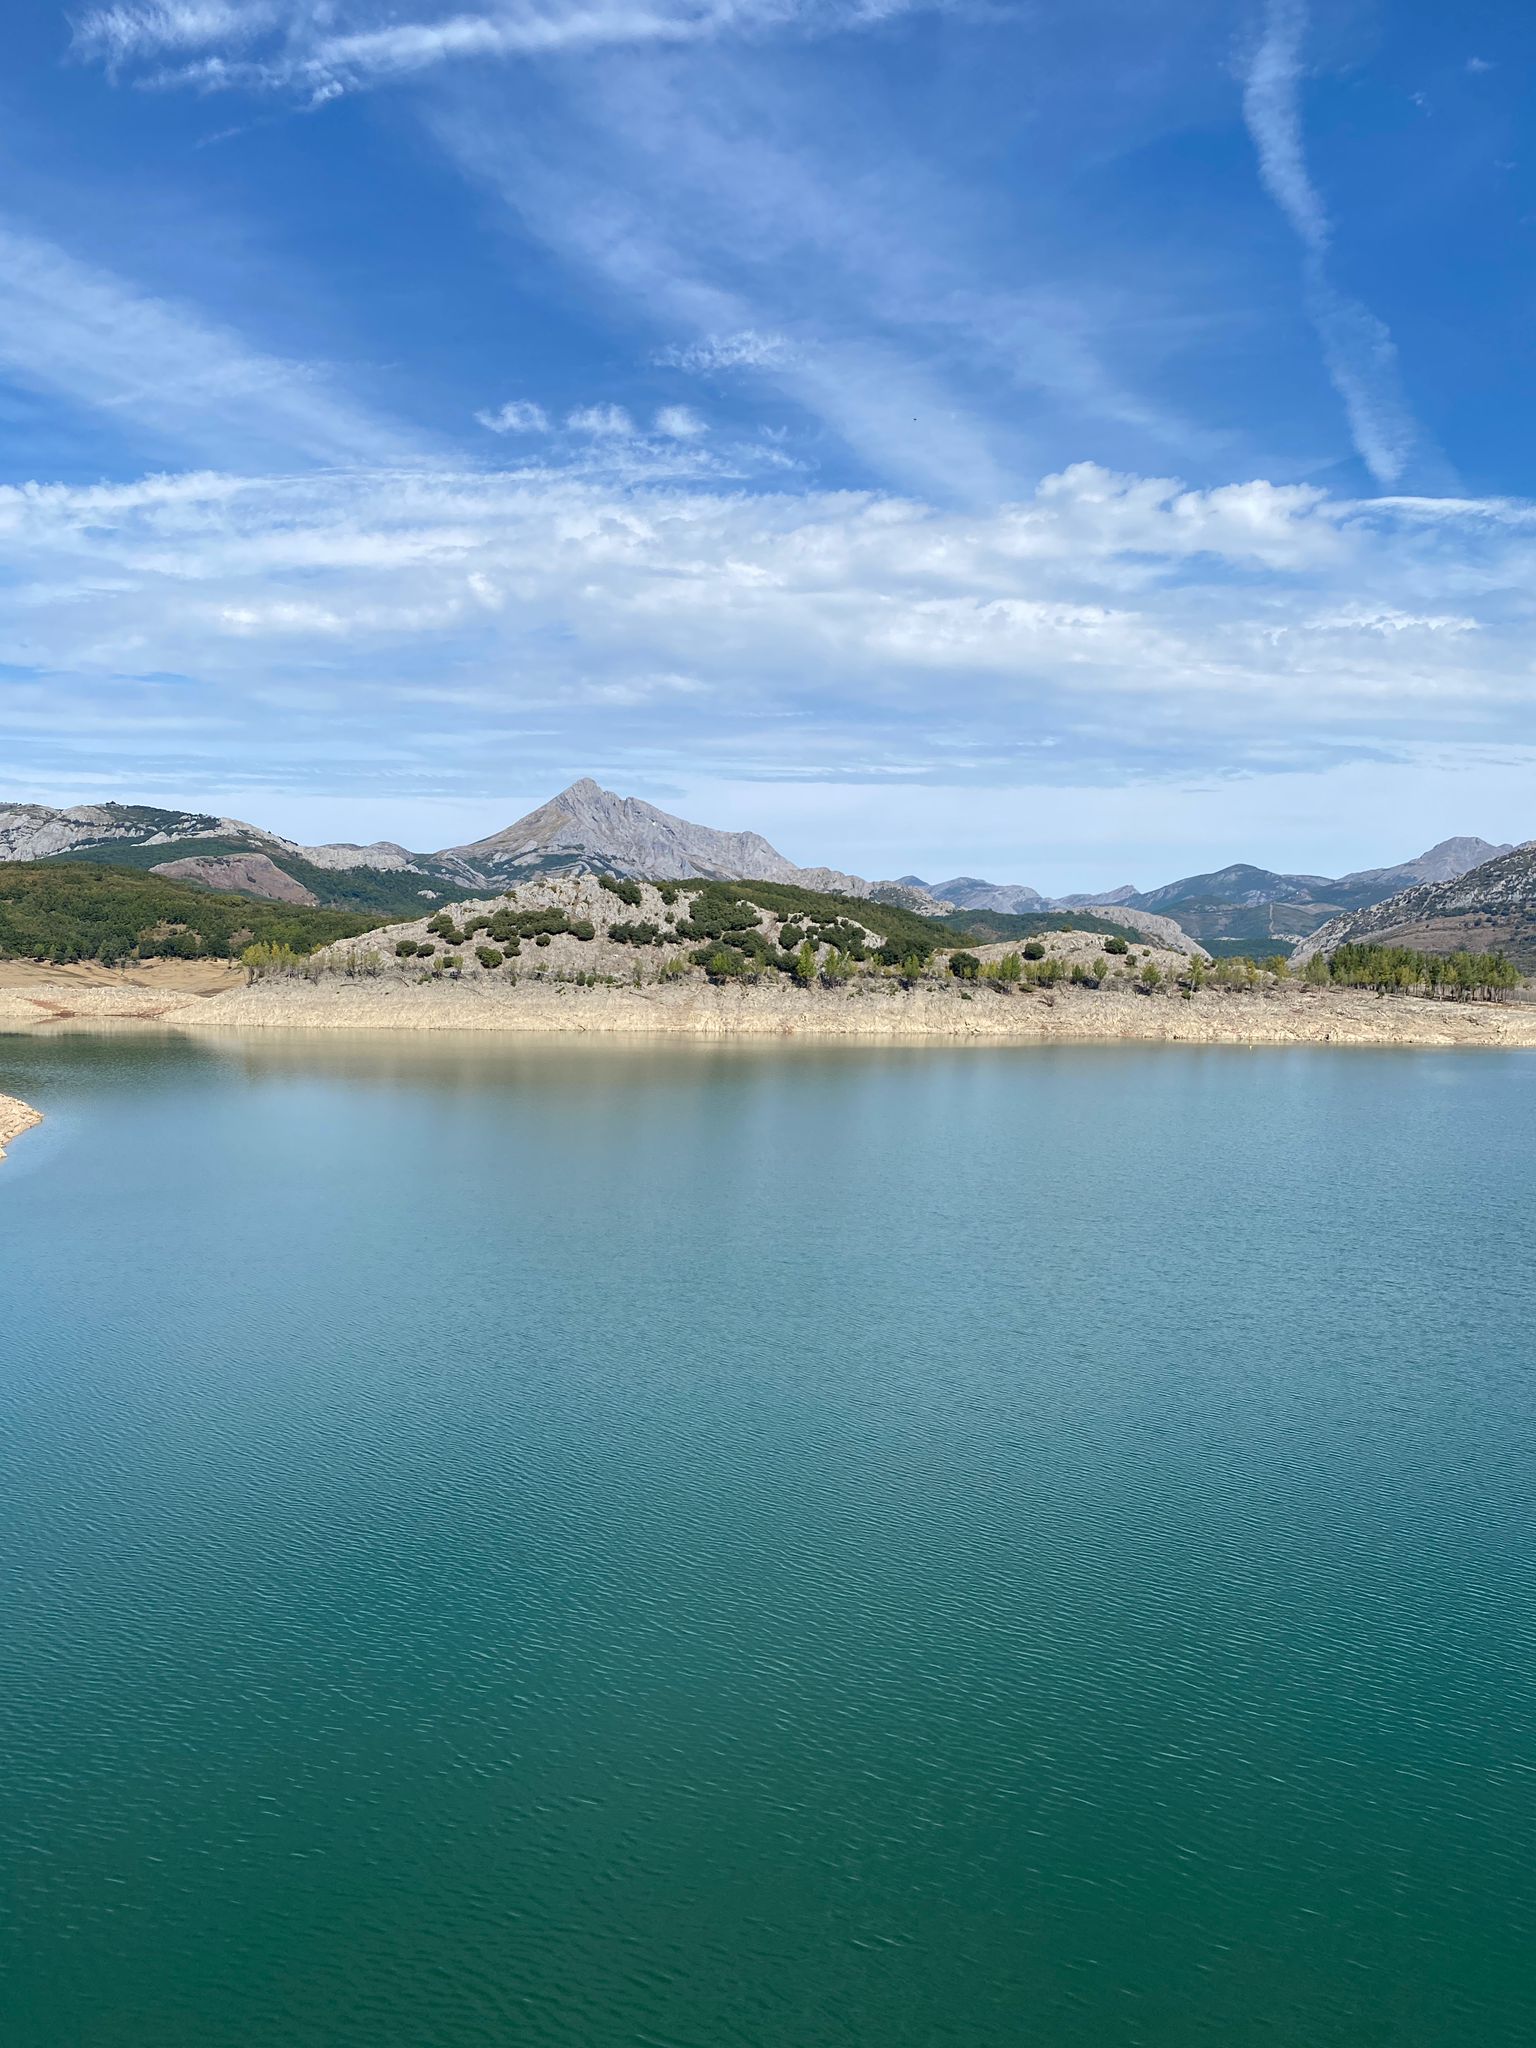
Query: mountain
588, 829
968, 892
226, 853
1237, 909
1446, 862
1489, 909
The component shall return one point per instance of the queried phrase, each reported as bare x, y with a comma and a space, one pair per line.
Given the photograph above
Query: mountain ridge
588, 829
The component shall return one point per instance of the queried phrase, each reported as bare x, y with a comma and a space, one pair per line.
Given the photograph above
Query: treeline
62, 911
1462, 976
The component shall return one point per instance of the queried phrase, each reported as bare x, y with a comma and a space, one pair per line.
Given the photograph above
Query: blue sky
1073, 445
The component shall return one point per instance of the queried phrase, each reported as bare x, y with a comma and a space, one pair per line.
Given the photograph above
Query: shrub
424, 949
1034, 950
805, 964
582, 928
639, 933
627, 892
404, 948
489, 956
964, 966
1151, 976
541, 938
837, 967
453, 962
1116, 944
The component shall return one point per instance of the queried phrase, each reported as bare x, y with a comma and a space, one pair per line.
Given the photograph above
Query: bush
964, 966
426, 947
639, 933
453, 962
805, 964
1116, 945
627, 892
489, 956
836, 968
404, 948
1035, 951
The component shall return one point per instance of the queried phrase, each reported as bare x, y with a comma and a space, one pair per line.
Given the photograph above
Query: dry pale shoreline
876, 1011
15, 1117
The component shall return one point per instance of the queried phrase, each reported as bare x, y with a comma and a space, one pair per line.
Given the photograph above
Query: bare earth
64, 1000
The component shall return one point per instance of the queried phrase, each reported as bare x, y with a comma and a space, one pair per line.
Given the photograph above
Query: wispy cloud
1205, 629
601, 421
746, 350
321, 52
1357, 347
517, 416
679, 423
169, 380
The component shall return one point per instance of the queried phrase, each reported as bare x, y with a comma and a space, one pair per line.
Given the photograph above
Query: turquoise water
781, 1548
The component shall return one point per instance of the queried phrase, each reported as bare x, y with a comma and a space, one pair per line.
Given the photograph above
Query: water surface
775, 1546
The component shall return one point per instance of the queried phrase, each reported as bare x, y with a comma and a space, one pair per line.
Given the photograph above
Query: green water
784, 1548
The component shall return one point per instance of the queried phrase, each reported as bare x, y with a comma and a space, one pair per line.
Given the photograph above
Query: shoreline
16, 1116
880, 1012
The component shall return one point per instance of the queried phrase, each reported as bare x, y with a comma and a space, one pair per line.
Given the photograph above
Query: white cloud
679, 423
1104, 621
517, 416
745, 350
1358, 349
601, 421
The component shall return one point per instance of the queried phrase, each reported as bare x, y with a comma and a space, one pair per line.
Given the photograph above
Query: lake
686, 1546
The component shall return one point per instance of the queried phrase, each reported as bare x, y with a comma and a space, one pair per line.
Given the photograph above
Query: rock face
1491, 909
34, 832
250, 874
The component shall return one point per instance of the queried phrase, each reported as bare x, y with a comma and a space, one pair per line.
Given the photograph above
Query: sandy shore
15, 1117
879, 1010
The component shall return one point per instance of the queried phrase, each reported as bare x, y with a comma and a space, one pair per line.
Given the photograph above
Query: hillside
619, 932
1492, 909
86, 910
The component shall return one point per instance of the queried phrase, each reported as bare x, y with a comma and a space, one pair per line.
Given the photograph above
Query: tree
964, 966
805, 964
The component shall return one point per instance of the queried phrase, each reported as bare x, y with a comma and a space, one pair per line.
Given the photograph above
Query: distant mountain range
587, 829
1240, 909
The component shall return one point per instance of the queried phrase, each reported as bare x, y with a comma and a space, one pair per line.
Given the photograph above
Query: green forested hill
85, 910
387, 893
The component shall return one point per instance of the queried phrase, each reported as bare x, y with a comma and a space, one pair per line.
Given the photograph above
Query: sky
1066, 445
